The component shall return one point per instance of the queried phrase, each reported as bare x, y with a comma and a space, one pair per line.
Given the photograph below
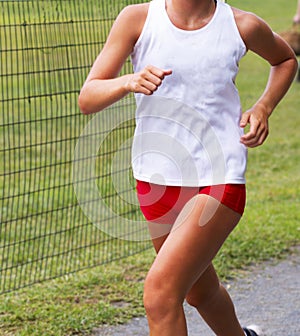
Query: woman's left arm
260, 39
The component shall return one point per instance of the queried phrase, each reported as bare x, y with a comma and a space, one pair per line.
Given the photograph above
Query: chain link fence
46, 50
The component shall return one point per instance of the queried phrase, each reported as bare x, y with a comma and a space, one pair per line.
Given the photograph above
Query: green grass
47, 48
112, 293
75, 304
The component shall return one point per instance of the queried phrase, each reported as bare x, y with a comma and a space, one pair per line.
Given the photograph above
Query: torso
198, 101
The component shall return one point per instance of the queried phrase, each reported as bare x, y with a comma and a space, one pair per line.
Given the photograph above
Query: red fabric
162, 204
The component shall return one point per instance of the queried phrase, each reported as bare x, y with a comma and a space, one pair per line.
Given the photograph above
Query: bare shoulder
250, 25
259, 37
136, 9
132, 19
120, 42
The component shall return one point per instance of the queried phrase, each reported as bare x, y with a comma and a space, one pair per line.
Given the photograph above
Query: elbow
294, 63
294, 58
294, 66
83, 103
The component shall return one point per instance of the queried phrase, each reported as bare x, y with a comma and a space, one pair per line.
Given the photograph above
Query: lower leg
221, 306
214, 304
171, 322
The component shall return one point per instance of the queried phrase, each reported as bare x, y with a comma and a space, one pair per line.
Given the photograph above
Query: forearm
97, 94
280, 78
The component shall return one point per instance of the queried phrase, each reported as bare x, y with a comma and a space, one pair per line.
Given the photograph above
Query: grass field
47, 48
112, 293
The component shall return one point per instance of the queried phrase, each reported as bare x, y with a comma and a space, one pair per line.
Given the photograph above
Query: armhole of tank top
243, 45
144, 27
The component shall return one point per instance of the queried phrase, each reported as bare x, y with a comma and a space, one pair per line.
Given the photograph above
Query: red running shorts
162, 204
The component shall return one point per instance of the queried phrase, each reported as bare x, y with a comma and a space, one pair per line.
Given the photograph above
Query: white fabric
187, 132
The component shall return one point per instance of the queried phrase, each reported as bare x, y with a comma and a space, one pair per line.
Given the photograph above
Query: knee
160, 297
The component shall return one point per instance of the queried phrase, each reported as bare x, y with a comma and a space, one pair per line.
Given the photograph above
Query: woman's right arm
103, 85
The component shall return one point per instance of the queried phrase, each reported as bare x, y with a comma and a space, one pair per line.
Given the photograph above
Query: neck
190, 14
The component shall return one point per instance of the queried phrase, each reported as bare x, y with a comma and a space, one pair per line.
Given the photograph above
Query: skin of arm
296, 18
260, 39
103, 85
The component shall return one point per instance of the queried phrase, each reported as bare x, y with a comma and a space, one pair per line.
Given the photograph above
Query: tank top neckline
185, 31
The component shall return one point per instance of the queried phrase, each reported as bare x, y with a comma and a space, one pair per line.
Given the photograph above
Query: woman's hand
257, 117
147, 80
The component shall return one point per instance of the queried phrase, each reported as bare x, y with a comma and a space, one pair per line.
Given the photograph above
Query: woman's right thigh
186, 252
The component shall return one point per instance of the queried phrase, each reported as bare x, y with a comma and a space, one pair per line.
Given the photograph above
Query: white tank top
187, 132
